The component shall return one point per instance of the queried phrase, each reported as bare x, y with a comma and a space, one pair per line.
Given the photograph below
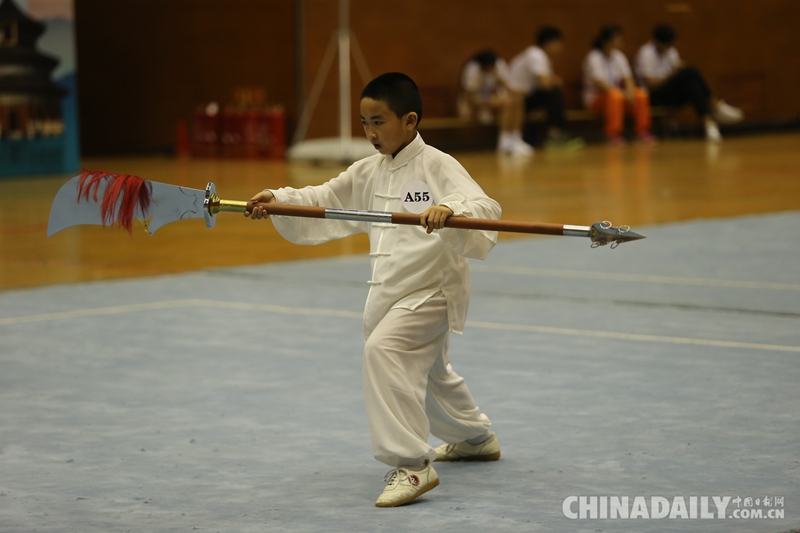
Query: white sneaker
515, 149
511, 144
505, 143
520, 148
712, 133
488, 450
727, 114
404, 485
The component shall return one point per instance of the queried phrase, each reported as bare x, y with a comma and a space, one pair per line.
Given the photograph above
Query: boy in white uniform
673, 84
419, 288
532, 75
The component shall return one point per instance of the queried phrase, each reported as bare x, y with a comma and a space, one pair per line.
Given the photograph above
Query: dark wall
143, 64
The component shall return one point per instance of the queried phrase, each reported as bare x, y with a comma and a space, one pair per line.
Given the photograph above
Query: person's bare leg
510, 120
516, 121
506, 114
517, 118
502, 111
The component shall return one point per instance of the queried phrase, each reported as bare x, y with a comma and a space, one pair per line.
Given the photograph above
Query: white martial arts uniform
419, 293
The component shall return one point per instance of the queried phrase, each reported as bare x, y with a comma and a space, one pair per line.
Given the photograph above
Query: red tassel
134, 190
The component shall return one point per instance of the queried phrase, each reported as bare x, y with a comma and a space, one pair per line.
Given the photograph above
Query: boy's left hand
434, 217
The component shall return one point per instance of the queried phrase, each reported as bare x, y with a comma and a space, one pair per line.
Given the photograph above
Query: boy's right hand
256, 211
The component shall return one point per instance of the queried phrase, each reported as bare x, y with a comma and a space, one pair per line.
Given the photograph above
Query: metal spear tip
603, 233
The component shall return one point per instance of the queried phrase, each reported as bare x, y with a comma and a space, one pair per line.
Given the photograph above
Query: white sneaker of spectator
505, 143
726, 113
521, 148
512, 144
712, 132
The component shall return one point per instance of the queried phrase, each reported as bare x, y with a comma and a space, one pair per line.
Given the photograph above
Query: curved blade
168, 203
66, 211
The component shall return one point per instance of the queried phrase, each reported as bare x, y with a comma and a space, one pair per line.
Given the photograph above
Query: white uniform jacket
408, 265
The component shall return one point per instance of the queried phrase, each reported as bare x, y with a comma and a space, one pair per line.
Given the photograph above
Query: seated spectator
608, 88
486, 97
673, 84
531, 74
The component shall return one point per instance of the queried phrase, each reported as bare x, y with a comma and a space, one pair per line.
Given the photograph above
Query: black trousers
553, 102
686, 86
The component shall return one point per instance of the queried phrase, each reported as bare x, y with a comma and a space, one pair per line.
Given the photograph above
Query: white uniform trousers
410, 388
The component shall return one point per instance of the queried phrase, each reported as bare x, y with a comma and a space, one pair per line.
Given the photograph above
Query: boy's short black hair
398, 91
664, 34
547, 34
485, 58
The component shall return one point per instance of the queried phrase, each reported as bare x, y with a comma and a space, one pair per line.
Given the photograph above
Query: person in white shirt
531, 74
608, 88
419, 289
485, 94
673, 84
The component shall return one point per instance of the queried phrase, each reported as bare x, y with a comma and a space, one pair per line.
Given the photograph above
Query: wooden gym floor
635, 185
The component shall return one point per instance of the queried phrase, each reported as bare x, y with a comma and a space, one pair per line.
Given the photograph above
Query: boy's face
387, 132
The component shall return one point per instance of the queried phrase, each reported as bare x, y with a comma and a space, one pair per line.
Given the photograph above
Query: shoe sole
432, 485
487, 457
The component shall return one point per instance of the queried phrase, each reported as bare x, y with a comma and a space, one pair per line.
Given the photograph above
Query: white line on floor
632, 336
279, 309
640, 278
80, 313
284, 310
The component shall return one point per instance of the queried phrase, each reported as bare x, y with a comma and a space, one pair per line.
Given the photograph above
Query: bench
457, 133
537, 115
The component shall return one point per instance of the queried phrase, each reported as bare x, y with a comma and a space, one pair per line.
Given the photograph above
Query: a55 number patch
416, 196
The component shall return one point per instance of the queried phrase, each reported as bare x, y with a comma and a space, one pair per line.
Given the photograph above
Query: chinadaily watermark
675, 507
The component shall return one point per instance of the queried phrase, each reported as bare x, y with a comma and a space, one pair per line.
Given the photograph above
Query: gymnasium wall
145, 63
